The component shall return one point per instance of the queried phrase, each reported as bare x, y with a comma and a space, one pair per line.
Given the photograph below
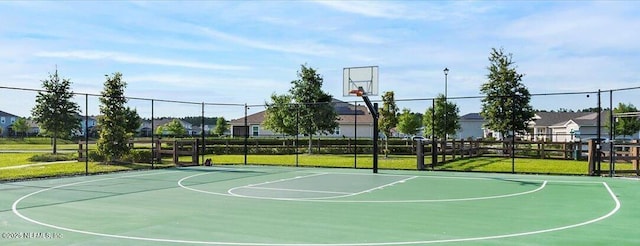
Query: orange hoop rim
357, 92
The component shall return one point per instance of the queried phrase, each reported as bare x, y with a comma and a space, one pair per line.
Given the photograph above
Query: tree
160, 130
114, 124
54, 111
175, 128
437, 125
314, 113
506, 103
281, 115
221, 126
388, 113
409, 123
20, 126
132, 121
624, 125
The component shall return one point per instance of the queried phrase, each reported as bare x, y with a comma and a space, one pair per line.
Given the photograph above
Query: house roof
542, 119
347, 113
5, 114
472, 116
548, 119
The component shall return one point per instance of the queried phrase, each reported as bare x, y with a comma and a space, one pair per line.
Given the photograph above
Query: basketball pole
373, 108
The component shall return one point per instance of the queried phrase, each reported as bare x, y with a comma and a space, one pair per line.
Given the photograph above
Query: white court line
344, 194
438, 200
231, 191
296, 190
382, 186
15, 211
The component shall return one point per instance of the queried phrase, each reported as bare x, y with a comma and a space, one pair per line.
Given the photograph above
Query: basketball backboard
366, 78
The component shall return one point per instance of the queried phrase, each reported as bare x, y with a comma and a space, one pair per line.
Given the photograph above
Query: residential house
91, 123
471, 126
34, 128
197, 129
6, 120
146, 126
567, 126
545, 126
353, 121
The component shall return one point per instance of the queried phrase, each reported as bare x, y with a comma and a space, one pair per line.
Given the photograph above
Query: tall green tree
316, 113
54, 111
506, 103
221, 126
160, 130
175, 128
388, 113
444, 109
133, 121
281, 115
625, 125
20, 126
409, 123
114, 125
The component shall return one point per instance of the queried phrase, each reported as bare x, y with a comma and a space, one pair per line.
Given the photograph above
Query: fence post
158, 154
175, 152
194, 152
635, 153
443, 148
592, 157
80, 152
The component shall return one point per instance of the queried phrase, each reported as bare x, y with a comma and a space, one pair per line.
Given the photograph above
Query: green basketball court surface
263, 206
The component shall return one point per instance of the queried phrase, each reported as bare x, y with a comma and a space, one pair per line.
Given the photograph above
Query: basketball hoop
357, 92
364, 79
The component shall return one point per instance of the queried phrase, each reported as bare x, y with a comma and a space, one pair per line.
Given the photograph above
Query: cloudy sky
237, 52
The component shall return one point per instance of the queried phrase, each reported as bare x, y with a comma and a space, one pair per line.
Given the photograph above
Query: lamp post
446, 73
444, 126
513, 131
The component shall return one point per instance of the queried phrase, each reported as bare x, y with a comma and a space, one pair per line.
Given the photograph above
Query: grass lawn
68, 169
14, 159
408, 162
345, 161
521, 165
39, 147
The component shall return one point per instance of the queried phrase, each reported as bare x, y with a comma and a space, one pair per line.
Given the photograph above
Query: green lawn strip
67, 169
15, 159
40, 147
522, 165
347, 161
408, 162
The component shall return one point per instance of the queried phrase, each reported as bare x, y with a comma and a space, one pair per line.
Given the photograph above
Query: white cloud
583, 28
299, 47
365, 39
379, 9
125, 58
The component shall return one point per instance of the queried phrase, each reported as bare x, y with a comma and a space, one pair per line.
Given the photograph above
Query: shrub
96, 157
138, 156
53, 157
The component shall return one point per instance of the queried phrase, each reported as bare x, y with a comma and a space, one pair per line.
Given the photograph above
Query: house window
13, 120
337, 131
2, 120
254, 130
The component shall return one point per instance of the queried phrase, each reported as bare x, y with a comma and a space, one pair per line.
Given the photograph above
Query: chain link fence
563, 124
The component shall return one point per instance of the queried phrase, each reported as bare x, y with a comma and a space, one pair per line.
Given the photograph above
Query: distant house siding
470, 129
6, 120
350, 131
